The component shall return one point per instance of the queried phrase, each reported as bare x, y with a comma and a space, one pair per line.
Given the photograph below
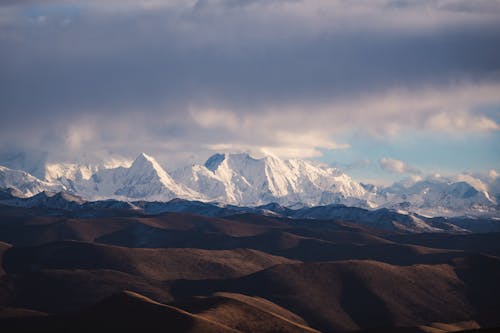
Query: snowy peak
243, 180
32, 162
145, 165
145, 159
440, 196
147, 179
22, 182
462, 190
240, 179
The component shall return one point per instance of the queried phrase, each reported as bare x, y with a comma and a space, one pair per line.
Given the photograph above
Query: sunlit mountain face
249, 165
242, 180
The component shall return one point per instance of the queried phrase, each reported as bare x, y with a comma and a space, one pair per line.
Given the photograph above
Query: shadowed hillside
241, 273
329, 295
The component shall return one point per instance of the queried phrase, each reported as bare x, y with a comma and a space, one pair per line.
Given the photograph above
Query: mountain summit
240, 179
147, 179
244, 180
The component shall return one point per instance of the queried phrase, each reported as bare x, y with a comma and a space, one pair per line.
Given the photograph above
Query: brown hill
203, 224
34, 230
61, 291
245, 313
128, 311
123, 312
147, 315
244, 272
303, 241
485, 243
340, 236
282, 243
9, 312
67, 275
155, 264
462, 327
350, 295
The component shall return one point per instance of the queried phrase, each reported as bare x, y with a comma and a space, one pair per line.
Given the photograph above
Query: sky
383, 89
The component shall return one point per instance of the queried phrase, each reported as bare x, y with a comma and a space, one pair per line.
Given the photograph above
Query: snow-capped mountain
33, 162
72, 171
144, 179
24, 183
243, 180
147, 179
239, 179
439, 196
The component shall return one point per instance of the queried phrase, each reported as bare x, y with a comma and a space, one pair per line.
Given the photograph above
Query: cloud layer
398, 166
180, 79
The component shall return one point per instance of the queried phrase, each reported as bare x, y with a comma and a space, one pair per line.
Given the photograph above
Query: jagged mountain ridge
66, 205
24, 183
243, 180
239, 179
438, 197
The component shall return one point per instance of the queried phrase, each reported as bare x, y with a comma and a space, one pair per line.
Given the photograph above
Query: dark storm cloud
94, 67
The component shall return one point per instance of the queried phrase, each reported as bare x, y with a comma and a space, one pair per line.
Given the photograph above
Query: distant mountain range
66, 205
240, 180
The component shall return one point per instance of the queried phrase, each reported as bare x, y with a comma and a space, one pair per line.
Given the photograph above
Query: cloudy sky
384, 89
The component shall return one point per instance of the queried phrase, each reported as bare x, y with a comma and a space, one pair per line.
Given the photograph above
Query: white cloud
291, 152
319, 139
461, 121
386, 115
476, 182
397, 166
261, 151
262, 134
493, 174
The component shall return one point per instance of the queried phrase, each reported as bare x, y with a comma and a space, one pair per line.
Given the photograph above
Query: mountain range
241, 180
129, 267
